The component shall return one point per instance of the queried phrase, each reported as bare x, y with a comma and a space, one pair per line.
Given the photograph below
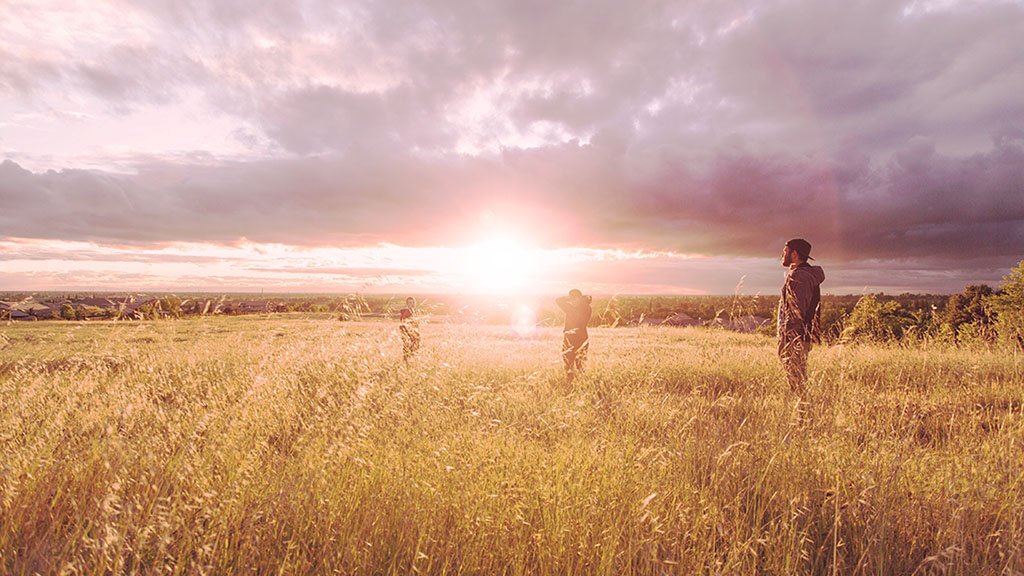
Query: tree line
980, 313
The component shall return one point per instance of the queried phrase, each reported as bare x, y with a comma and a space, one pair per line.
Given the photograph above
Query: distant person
575, 341
799, 312
409, 329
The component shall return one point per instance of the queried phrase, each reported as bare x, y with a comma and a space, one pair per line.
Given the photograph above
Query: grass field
302, 445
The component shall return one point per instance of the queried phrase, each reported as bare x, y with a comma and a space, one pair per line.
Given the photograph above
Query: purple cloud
718, 128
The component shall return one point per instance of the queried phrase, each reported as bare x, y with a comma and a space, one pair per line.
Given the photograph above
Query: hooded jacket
800, 305
577, 315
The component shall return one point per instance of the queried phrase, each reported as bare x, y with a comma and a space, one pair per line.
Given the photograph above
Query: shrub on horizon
967, 316
1007, 306
873, 320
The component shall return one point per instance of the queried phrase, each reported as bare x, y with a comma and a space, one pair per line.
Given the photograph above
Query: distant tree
1007, 306
191, 307
85, 312
874, 320
610, 316
172, 305
352, 307
67, 311
149, 310
832, 322
966, 316
923, 323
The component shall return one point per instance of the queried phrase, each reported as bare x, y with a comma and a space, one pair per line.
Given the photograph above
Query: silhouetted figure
799, 313
409, 328
575, 341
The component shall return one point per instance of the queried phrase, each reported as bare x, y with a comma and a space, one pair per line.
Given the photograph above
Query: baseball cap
802, 247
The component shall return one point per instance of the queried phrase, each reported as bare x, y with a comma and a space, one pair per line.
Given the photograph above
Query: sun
500, 264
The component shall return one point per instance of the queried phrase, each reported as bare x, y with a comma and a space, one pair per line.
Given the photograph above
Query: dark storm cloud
305, 201
876, 129
918, 203
915, 203
875, 72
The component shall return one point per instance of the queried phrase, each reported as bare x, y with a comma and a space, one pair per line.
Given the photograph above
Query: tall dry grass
304, 445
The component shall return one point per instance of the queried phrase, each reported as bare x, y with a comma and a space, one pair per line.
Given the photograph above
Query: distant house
678, 319
16, 314
747, 324
11, 311
94, 303
750, 323
40, 311
132, 308
114, 303
681, 319
34, 309
248, 306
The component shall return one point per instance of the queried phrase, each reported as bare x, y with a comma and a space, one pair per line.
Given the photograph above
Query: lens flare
524, 321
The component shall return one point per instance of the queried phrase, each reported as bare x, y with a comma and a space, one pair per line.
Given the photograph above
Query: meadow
298, 444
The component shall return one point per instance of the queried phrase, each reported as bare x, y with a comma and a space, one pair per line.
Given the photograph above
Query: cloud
129, 76
342, 271
878, 130
321, 118
916, 203
21, 75
807, 70
317, 77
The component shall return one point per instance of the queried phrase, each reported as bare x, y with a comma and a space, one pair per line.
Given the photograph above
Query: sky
507, 146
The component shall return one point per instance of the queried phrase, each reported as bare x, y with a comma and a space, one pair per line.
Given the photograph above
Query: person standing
575, 340
799, 312
409, 329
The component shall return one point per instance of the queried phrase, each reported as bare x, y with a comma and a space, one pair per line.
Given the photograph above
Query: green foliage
874, 320
966, 316
1008, 307
171, 305
84, 312
149, 310
923, 325
67, 311
833, 318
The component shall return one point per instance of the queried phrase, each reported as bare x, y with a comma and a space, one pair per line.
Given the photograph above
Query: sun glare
500, 264
524, 321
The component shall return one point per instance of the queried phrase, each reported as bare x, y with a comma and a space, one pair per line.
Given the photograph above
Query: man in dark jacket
575, 341
799, 311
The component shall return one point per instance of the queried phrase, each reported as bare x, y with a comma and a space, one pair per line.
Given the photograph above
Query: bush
873, 320
1007, 306
966, 314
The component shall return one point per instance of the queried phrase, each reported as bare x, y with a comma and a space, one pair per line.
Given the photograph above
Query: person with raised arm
575, 339
409, 329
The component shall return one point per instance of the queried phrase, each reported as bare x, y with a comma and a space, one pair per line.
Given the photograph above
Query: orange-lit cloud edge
499, 266
494, 265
